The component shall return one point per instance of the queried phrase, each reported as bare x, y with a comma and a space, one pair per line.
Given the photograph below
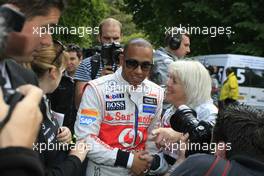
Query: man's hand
107, 70
165, 135
23, 126
141, 163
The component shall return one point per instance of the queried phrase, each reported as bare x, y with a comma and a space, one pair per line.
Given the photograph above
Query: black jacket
62, 101
56, 162
20, 161
18, 75
199, 164
71, 165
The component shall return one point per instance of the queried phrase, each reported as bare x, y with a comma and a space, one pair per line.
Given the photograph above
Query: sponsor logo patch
115, 96
90, 112
150, 101
86, 120
149, 109
115, 105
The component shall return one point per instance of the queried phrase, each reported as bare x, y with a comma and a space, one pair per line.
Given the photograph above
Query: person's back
229, 93
211, 165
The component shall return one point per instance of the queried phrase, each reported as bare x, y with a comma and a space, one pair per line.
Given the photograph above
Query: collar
65, 73
119, 76
143, 88
5, 75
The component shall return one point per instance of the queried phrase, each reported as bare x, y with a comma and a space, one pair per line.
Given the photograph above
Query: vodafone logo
126, 138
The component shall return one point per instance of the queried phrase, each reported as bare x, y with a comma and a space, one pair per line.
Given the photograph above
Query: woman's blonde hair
47, 58
195, 79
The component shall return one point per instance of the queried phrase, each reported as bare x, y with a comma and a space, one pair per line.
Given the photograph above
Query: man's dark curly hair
243, 127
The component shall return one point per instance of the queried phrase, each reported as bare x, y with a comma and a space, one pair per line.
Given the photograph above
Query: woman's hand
165, 135
64, 135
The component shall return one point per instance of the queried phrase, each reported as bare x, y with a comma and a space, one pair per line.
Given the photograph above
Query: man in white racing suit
118, 111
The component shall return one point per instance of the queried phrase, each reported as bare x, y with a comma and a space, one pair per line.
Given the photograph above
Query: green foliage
244, 21
82, 14
129, 28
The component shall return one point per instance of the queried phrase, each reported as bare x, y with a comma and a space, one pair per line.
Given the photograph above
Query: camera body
185, 120
110, 53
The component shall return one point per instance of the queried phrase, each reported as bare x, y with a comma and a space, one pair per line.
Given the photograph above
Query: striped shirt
84, 70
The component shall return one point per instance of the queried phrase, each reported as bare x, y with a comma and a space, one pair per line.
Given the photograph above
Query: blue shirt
84, 71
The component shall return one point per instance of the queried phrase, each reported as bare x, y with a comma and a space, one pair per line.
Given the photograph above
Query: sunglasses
72, 47
59, 49
133, 64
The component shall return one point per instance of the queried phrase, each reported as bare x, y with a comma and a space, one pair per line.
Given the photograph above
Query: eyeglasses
133, 64
59, 49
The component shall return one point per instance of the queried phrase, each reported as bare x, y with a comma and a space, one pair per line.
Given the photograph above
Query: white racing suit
115, 120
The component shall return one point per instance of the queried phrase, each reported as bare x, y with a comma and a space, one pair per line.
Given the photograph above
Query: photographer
20, 125
193, 111
110, 33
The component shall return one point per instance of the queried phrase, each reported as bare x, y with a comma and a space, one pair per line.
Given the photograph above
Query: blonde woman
48, 64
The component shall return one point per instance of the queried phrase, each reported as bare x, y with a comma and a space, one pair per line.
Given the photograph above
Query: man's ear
99, 38
221, 149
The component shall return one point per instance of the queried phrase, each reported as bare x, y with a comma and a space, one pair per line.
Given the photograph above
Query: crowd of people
122, 111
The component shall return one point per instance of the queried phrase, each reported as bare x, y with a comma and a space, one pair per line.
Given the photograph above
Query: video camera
110, 53
185, 120
10, 21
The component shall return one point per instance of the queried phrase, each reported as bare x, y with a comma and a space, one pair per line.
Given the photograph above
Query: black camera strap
95, 66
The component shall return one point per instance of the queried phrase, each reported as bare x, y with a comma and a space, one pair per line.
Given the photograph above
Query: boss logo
115, 105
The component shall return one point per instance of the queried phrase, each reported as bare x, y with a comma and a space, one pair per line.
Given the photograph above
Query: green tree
129, 28
85, 16
242, 23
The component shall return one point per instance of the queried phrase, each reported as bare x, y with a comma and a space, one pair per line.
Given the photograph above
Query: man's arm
82, 77
79, 88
